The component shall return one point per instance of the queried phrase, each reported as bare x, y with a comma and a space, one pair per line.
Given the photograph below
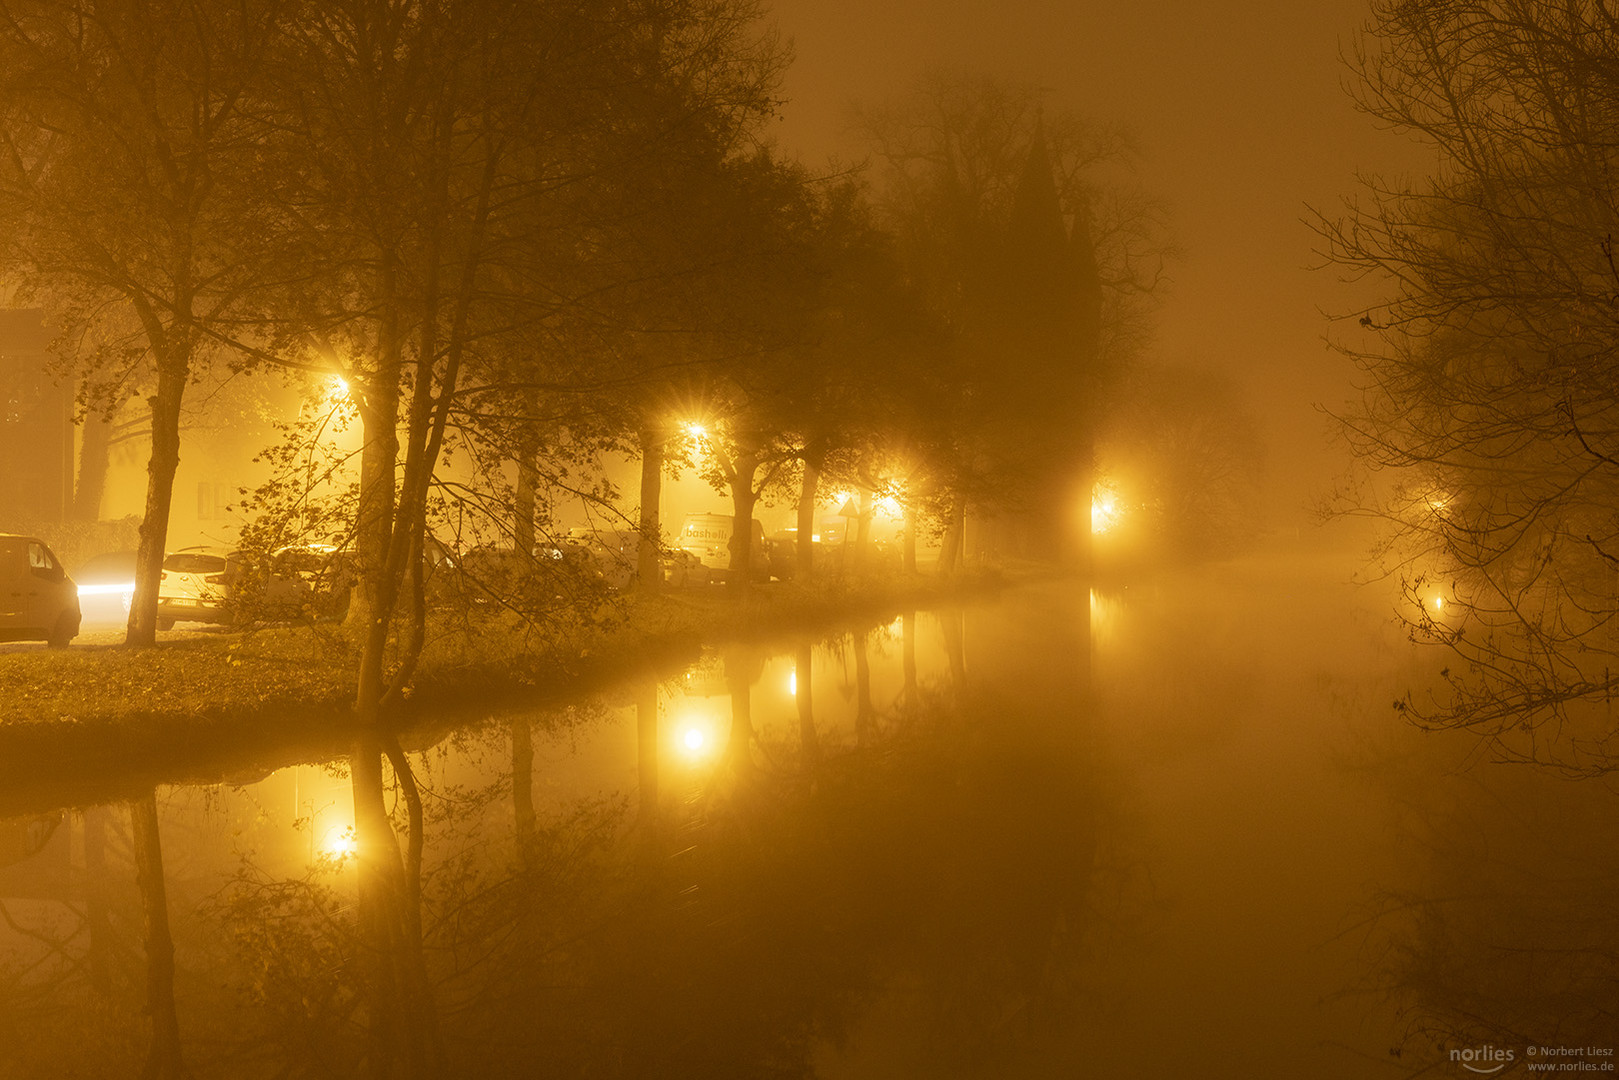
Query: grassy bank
96, 721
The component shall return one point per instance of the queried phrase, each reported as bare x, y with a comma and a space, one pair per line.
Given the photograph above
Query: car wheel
164, 623
67, 628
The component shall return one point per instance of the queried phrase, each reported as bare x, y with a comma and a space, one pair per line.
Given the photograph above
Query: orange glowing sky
1241, 116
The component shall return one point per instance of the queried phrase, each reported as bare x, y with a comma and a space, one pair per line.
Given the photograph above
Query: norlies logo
1483, 1059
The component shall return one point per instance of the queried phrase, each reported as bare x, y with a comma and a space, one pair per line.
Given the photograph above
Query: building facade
36, 425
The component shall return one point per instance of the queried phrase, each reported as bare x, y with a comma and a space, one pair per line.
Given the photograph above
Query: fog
725, 540
1214, 854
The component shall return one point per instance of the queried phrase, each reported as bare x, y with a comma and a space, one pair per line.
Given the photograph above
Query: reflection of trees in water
289, 947
928, 890
401, 1016
980, 857
163, 1058
943, 877
809, 741
1507, 934
87, 966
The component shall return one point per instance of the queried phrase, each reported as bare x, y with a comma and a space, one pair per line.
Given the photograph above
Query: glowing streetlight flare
339, 842
1105, 509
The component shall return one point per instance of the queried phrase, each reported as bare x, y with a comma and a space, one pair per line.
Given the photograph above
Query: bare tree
127, 154
1489, 419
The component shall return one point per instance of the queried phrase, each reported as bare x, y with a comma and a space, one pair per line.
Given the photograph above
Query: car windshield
191, 562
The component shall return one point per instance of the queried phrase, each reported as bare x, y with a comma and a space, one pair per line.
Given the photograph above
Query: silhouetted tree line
511, 235
517, 236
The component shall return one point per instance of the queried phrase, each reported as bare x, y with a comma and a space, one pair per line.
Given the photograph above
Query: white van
707, 537
38, 601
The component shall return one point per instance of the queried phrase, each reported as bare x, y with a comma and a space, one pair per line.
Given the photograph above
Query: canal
1165, 830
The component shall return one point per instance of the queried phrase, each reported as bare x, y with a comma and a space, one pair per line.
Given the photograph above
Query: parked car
681, 568
611, 554
197, 585
708, 538
496, 574
303, 581
107, 588
38, 601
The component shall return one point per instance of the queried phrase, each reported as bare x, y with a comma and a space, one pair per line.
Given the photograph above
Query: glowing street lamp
339, 843
1105, 509
694, 738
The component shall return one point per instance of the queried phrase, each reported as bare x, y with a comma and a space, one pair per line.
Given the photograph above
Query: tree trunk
374, 528
523, 499
954, 537
163, 1061
908, 541
172, 372
862, 532
649, 559
95, 454
807, 495
743, 499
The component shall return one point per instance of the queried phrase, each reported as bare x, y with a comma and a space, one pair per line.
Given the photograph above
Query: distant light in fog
694, 742
1105, 511
792, 683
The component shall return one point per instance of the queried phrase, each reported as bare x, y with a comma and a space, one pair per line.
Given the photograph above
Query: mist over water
1166, 829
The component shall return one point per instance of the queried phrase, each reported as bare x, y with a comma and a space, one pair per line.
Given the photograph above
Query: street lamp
1105, 509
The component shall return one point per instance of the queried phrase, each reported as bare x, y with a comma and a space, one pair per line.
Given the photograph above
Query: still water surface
1164, 831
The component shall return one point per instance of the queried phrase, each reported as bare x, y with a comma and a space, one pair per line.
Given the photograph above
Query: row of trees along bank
520, 233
